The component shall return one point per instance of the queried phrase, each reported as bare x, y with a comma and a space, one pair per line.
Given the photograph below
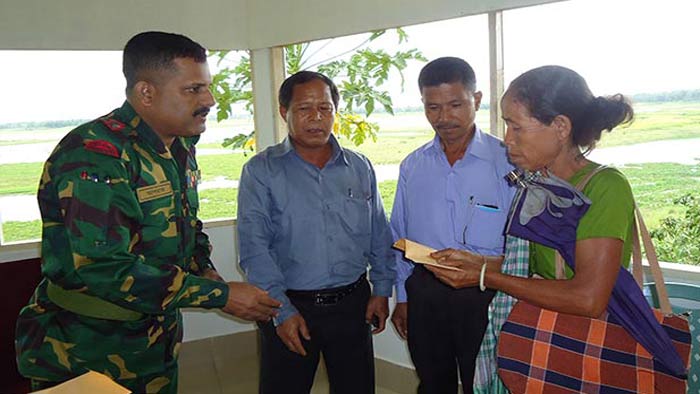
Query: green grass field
655, 185
655, 122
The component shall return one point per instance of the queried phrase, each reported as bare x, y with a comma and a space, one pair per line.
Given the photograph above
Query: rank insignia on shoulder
103, 147
113, 124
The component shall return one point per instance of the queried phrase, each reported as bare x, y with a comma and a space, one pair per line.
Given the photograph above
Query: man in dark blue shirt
310, 221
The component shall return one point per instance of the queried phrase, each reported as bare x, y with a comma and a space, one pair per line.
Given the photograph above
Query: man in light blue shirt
310, 221
451, 194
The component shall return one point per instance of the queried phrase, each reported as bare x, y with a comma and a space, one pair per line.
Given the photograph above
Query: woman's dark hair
287, 88
550, 91
154, 51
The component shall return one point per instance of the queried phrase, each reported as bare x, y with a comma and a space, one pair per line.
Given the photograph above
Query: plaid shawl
516, 263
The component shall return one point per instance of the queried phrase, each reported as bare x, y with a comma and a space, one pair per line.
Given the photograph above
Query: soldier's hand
400, 319
289, 332
250, 303
377, 312
211, 273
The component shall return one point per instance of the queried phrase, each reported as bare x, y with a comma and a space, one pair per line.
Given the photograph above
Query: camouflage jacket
119, 213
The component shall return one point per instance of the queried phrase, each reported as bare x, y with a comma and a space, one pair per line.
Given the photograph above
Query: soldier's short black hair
155, 51
287, 88
447, 70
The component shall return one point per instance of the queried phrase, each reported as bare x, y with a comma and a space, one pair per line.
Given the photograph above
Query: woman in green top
553, 120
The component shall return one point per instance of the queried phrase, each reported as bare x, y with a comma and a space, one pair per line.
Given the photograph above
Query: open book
419, 253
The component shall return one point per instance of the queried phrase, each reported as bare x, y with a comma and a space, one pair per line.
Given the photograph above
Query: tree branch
341, 54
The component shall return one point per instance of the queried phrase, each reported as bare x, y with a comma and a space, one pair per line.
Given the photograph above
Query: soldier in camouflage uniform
122, 248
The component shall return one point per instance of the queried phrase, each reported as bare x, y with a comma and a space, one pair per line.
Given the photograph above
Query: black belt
326, 297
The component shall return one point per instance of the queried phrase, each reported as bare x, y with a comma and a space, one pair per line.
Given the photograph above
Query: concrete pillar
496, 71
268, 73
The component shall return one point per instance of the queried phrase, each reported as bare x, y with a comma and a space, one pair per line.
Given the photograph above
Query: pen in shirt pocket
488, 207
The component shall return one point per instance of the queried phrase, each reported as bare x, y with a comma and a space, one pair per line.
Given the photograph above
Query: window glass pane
48, 93
645, 50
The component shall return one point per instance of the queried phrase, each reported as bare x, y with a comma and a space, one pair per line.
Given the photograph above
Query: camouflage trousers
54, 345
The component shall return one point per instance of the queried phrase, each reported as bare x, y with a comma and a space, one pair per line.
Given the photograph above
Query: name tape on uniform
148, 193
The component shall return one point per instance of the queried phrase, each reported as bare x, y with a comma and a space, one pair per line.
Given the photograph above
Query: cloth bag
542, 351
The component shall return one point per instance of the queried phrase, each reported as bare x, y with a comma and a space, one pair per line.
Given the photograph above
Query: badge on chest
151, 192
194, 178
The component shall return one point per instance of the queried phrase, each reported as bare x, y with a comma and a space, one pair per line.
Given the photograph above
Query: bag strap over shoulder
559, 271
639, 228
650, 251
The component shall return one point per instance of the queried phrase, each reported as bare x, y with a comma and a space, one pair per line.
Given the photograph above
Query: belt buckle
326, 299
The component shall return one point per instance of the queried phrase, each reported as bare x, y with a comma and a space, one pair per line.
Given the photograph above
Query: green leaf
360, 75
376, 34
369, 106
403, 37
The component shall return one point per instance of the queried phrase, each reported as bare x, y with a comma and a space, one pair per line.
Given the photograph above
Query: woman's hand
469, 265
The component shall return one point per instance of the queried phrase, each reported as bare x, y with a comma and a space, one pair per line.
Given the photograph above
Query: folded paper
420, 253
89, 383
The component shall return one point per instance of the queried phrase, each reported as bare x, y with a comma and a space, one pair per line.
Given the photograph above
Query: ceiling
217, 24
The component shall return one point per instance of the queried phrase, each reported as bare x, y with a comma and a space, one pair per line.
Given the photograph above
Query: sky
620, 46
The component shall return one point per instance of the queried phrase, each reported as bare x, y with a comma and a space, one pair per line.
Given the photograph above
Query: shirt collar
478, 146
287, 147
127, 114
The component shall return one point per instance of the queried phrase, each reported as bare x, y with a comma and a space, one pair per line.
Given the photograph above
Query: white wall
204, 324
390, 347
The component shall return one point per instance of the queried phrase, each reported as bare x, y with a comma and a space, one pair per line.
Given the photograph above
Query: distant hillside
661, 97
676, 95
49, 124
54, 124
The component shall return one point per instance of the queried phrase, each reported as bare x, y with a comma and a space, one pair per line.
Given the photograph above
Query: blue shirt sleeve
404, 268
255, 234
382, 267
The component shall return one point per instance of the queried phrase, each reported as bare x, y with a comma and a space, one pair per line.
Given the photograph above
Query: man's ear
143, 92
477, 100
283, 112
562, 124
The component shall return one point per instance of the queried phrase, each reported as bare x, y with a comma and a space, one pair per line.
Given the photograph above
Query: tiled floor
210, 367
320, 387
242, 377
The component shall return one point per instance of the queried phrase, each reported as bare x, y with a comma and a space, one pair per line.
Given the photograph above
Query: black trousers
339, 332
445, 329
